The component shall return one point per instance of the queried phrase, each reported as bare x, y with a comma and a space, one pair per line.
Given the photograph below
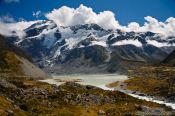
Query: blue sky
125, 10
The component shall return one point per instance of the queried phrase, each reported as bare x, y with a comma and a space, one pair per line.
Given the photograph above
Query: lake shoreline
121, 87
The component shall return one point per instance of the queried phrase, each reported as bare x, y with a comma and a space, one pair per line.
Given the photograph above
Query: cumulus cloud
9, 27
166, 28
9, 1
154, 25
133, 26
14, 29
66, 16
170, 26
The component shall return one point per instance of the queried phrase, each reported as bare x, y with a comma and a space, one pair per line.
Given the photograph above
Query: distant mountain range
89, 48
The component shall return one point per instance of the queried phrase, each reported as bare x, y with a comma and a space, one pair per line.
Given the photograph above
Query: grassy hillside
153, 80
7, 108
9, 63
15, 63
71, 99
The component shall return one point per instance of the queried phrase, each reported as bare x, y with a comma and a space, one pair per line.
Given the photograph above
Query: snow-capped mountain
90, 45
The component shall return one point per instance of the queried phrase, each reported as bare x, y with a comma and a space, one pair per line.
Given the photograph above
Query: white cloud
126, 42
159, 44
66, 16
7, 19
170, 26
4, 30
9, 1
153, 25
133, 26
166, 28
14, 29
37, 14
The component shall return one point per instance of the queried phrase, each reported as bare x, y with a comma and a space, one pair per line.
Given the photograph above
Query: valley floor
29, 97
158, 81
151, 83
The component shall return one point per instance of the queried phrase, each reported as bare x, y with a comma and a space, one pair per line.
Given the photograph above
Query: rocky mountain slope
71, 99
85, 47
15, 63
170, 59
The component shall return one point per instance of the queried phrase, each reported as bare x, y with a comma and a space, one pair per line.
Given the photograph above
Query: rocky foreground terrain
155, 81
29, 97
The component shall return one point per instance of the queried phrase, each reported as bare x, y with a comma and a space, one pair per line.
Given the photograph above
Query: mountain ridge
51, 45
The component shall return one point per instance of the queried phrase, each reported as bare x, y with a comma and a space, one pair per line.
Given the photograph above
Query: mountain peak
50, 44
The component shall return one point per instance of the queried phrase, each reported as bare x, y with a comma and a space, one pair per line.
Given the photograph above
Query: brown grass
7, 105
111, 85
152, 80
